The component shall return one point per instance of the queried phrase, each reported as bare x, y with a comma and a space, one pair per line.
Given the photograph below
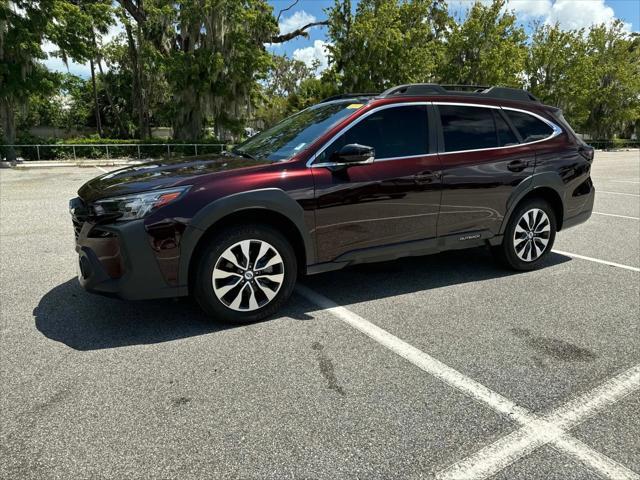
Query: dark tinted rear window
467, 128
529, 127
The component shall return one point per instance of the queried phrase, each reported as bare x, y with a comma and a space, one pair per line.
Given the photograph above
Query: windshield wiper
242, 153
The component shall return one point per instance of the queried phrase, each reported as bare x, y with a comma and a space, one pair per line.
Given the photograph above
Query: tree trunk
95, 98
144, 116
187, 121
139, 97
116, 114
8, 124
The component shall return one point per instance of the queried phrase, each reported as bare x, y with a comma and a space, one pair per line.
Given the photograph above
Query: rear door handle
517, 165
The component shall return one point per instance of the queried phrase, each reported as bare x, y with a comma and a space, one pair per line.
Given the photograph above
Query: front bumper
117, 260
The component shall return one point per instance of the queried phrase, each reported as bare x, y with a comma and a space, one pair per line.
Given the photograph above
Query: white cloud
572, 14
569, 14
530, 8
295, 21
317, 52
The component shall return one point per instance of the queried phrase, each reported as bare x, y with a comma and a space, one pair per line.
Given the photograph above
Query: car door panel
392, 200
477, 187
477, 183
373, 205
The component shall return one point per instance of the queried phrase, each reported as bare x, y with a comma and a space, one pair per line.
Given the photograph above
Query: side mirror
354, 154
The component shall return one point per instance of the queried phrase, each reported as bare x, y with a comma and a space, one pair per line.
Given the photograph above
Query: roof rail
348, 95
502, 93
415, 89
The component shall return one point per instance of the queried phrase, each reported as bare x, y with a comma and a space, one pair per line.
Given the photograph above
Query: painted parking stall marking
535, 432
615, 215
552, 429
597, 260
619, 193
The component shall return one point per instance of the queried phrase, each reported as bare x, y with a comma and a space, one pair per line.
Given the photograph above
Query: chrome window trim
556, 131
385, 159
354, 123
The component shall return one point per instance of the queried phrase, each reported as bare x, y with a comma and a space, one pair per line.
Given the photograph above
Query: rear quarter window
529, 127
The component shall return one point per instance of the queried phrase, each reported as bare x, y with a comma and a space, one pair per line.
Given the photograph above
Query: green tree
24, 26
281, 85
386, 42
67, 105
488, 48
614, 83
559, 70
213, 55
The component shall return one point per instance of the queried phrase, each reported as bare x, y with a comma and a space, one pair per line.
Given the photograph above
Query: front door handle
426, 177
517, 165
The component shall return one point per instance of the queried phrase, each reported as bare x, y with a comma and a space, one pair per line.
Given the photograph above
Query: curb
77, 163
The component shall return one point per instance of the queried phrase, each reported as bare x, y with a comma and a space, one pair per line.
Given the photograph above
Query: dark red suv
415, 170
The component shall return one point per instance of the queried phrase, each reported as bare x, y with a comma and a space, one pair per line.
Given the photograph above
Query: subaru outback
415, 170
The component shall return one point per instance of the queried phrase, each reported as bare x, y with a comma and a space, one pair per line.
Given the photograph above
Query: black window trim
507, 121
556, 130
329, 142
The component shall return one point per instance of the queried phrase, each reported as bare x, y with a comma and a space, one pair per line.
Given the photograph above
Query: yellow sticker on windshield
355, 105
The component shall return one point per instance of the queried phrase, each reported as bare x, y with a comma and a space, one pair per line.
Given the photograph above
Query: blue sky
569, 13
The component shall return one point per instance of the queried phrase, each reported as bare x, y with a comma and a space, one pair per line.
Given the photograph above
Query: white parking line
619, 193
597, 260
418, 358
615, 215
102, 169
552, 429
535, 431
619, 181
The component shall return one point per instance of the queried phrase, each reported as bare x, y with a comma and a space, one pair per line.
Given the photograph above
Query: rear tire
245, 274
529, 236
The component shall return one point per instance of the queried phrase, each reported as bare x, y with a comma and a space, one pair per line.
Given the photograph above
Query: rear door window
392, 132
467, 128
529, 127
506, 136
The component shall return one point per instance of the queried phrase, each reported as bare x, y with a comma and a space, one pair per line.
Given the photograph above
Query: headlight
138, 205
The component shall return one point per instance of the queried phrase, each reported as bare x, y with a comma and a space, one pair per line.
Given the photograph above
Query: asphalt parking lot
444, 366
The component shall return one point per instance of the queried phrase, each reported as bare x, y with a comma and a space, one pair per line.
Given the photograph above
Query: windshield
293, 134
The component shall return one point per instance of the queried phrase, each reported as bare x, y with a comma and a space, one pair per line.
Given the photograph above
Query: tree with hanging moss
70, 26
212, 54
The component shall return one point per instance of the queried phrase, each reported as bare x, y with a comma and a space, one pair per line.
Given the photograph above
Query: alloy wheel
248, 275
531, 236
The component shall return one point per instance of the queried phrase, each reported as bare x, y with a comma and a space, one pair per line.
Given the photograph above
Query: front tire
529, 236
245, 274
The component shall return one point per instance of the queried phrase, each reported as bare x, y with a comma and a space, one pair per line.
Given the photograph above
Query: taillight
587, 152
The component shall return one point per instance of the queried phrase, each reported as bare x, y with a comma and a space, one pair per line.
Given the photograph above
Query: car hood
161, 174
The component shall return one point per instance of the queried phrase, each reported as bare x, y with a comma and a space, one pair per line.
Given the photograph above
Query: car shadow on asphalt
84, 321
370, 281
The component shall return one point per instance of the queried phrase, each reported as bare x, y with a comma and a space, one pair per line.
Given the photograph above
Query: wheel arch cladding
547, 193
270, 206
